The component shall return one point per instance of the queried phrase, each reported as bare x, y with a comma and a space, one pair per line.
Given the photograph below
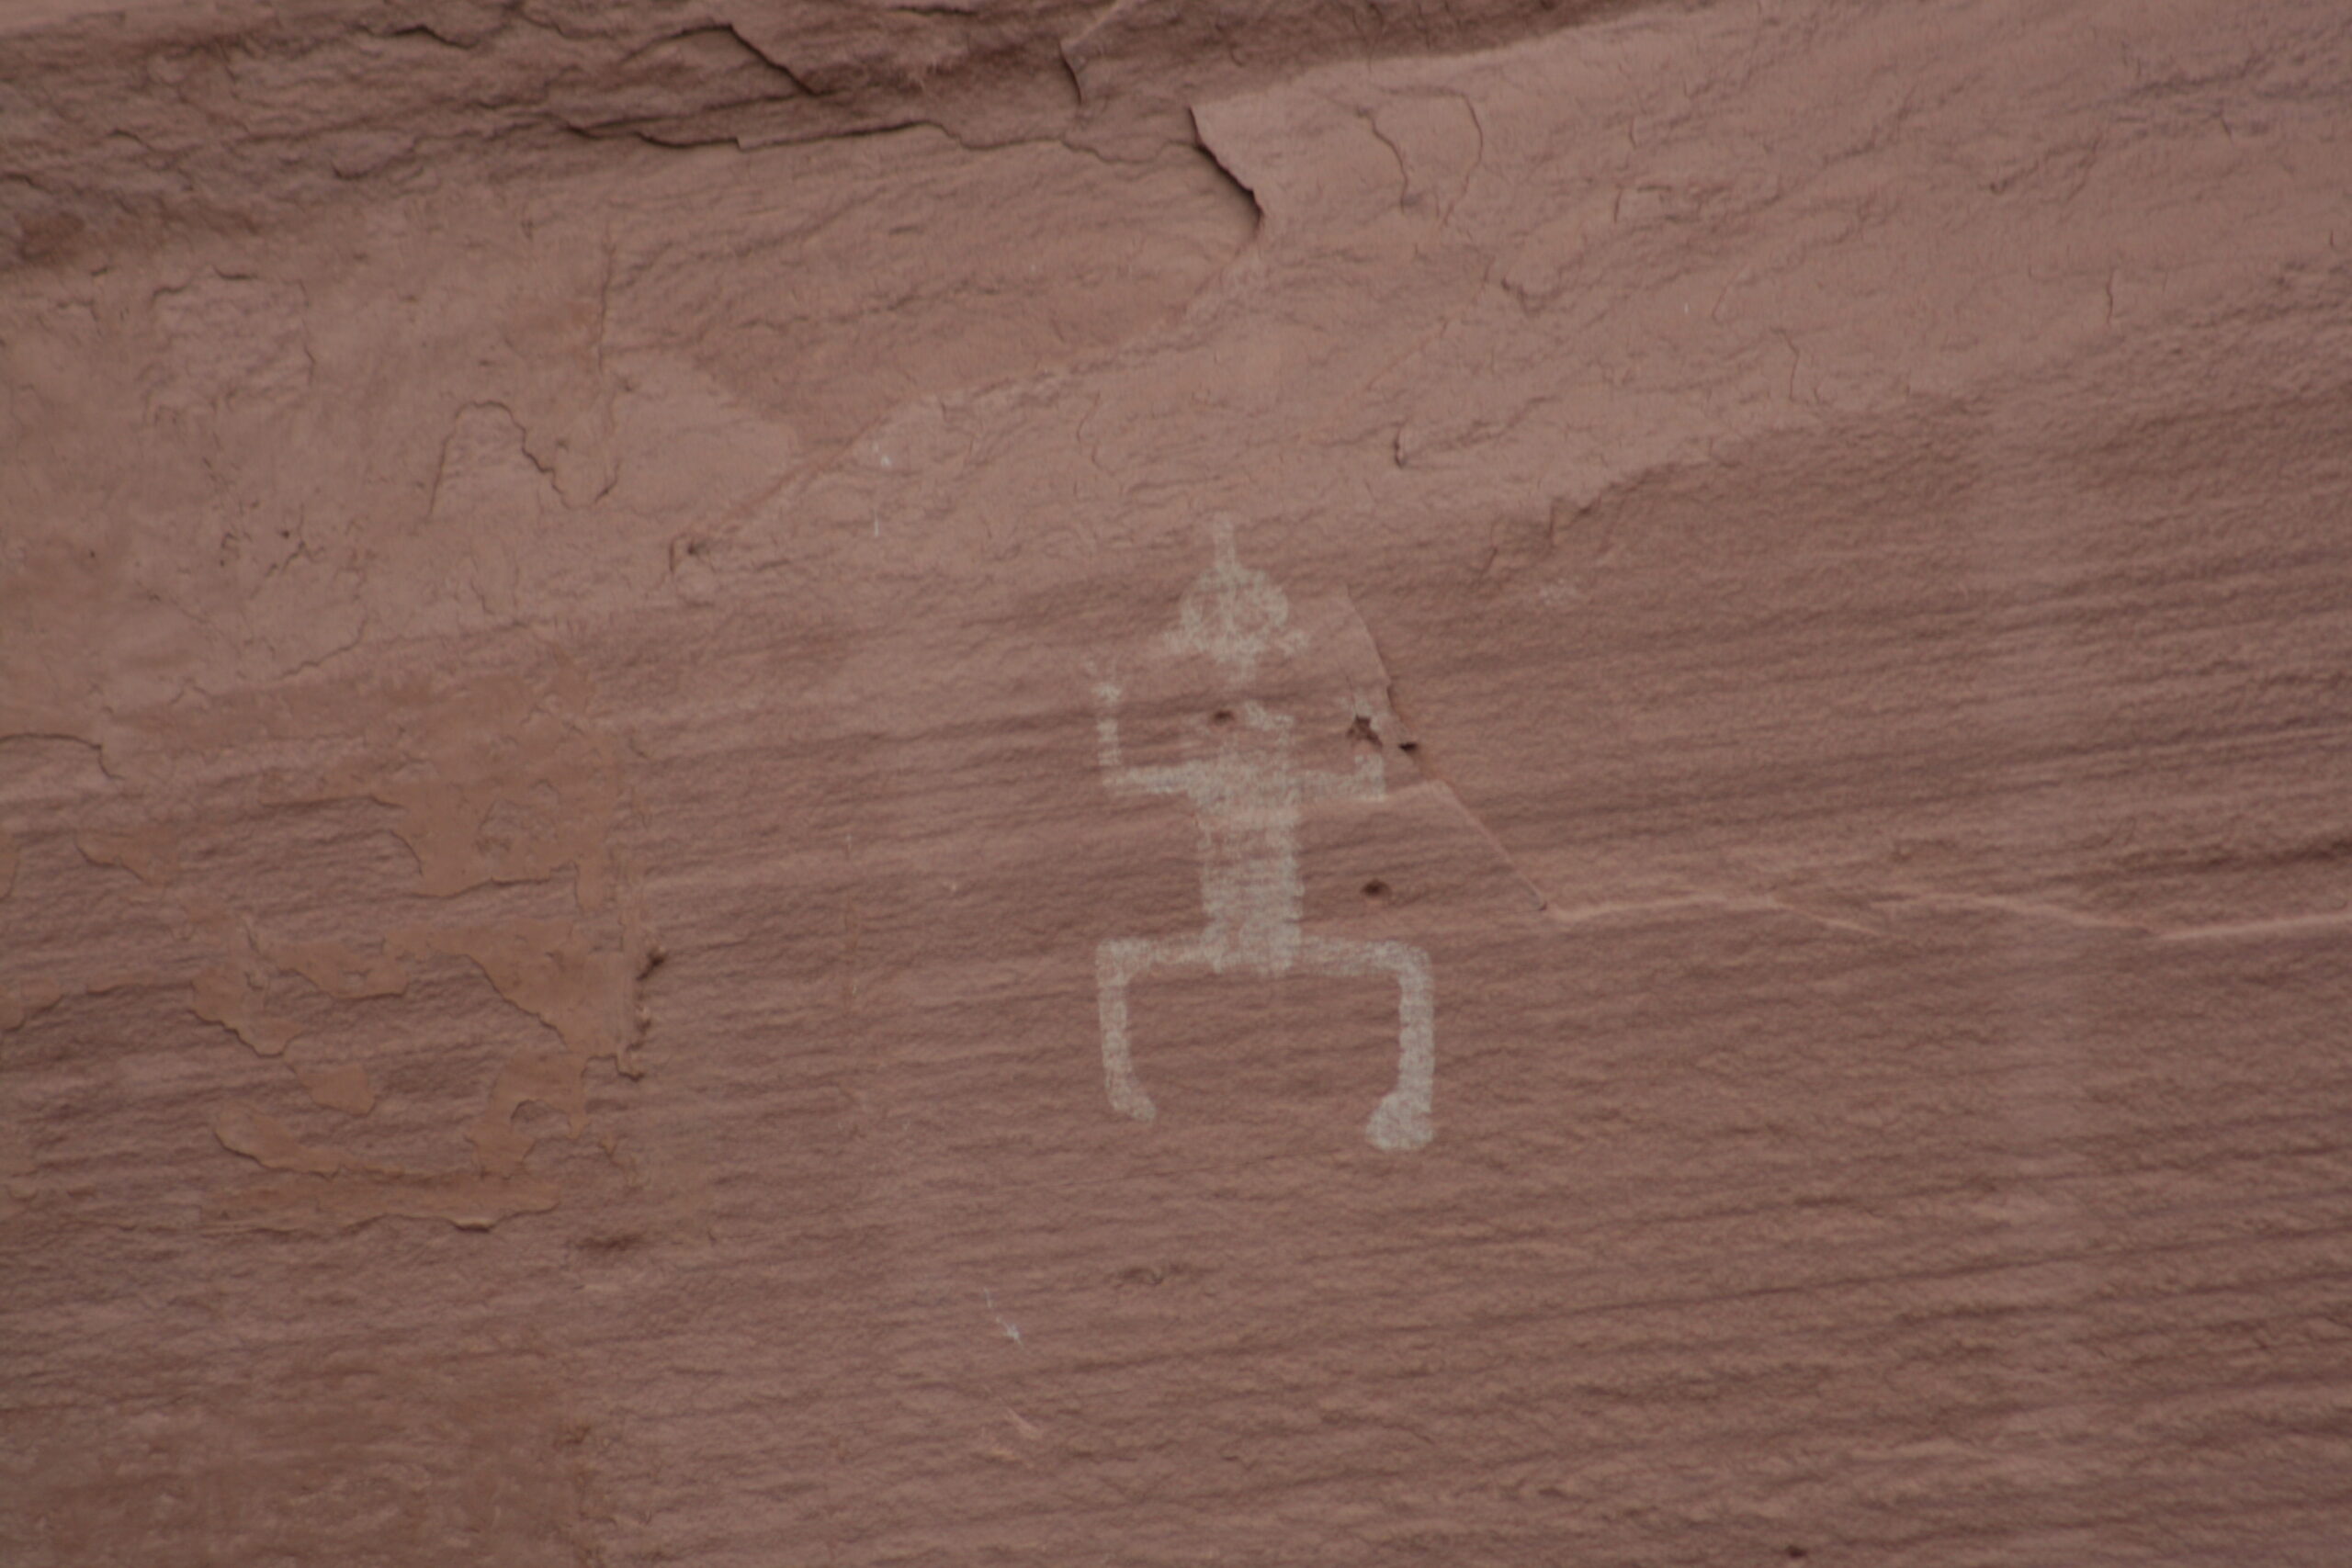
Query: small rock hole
1375, 890
1795, 1553
1222, 716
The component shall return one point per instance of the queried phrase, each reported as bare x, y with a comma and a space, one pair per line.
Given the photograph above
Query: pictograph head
1234, 613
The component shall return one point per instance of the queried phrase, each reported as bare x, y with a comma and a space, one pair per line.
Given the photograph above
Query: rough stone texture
558, 566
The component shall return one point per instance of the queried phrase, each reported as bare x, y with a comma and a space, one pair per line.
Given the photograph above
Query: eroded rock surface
1152, 783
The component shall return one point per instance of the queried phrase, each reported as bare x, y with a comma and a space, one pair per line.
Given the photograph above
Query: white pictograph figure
1248, 794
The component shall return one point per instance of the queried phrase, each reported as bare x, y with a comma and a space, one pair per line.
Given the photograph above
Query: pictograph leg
1403, 1119
1116, 963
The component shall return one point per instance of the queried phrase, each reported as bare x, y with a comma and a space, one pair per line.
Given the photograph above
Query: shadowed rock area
1519, 785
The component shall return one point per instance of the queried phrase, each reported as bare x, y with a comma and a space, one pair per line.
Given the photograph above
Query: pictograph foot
1399, 1124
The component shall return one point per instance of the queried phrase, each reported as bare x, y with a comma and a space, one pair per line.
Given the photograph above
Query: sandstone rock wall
1160, 783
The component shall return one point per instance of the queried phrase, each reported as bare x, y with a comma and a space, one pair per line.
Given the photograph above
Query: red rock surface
565, 576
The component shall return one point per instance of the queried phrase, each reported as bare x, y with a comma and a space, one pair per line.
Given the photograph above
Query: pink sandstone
1516, 785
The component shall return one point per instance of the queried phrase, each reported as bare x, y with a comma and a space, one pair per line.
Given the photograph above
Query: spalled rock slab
1567, 791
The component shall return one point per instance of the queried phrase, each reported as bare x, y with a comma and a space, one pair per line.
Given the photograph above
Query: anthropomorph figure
1248, 794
